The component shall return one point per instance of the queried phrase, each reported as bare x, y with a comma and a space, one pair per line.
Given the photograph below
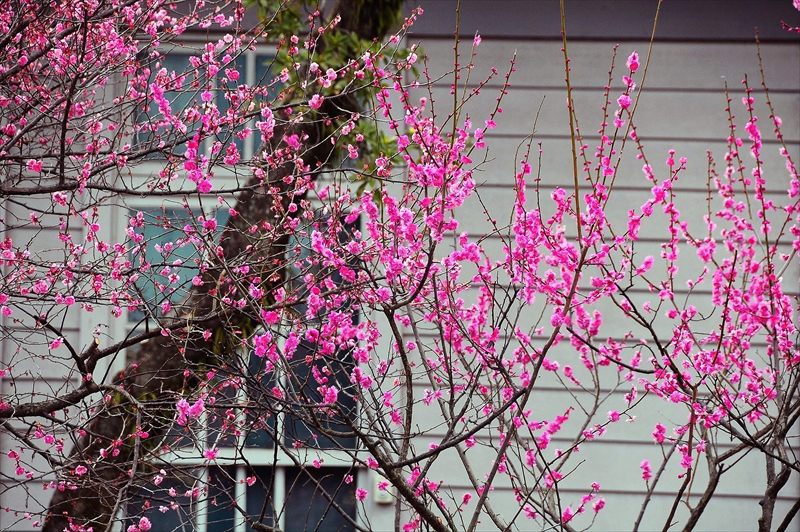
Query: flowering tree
314, 300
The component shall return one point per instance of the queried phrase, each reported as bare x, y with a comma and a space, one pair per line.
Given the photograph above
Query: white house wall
682, 108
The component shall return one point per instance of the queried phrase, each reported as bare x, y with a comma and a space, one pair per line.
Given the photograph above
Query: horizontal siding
609, 19
682, 108
677, 66
502, 150
666, 115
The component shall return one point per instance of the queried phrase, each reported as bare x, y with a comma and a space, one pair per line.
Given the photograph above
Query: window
252, 479
213, 499
186, 85
170, 256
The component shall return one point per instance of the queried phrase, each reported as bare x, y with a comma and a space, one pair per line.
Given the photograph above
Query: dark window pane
302, 380
261, 417
260, 505
336, 367
167, 513
224, 415
307, 509
221, 499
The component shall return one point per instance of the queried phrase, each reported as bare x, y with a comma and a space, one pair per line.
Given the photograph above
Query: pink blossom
81, 470
330, 395
144, 524
210, 224
659, 433
211, 454
316, 101
60, 198
624, 101
361, 494
686, 456
647, 473
185, 411
633, 62
551, 478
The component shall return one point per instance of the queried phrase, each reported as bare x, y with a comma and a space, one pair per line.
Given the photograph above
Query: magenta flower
633, 62
211, 454
647, 472
316, 101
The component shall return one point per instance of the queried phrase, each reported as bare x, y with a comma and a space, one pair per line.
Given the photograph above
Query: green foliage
295, 27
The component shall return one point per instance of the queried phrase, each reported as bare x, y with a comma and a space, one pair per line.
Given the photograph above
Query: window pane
221, 499
224, 415
336, 367
260, 504
264, 75
307, 509
224, 88
167, 513
261, 418
302, 379
165, 243
155, 129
